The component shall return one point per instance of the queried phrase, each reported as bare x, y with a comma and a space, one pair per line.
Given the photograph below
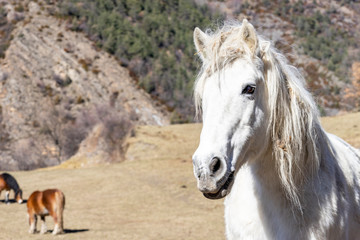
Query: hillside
151, 195
76, 76
319, 37
56, 89
151, 38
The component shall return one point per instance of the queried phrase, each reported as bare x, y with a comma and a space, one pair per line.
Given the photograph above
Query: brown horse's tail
60, 200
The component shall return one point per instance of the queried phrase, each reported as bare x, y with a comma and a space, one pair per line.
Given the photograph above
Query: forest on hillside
152, 38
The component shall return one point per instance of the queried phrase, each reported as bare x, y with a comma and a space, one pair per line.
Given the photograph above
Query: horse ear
248, 35
200, 39
264, 47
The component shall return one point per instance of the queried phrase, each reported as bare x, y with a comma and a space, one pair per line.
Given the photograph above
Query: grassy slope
347, 127
152, 195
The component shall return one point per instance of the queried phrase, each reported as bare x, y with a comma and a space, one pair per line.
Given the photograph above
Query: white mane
294, 126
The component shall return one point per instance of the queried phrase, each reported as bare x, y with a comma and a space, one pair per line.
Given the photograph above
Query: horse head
230, 94
254, 106
18, 196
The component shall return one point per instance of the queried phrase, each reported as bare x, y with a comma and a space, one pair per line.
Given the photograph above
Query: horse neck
266, 172
11, 182
266, 185
258, 176
262, 167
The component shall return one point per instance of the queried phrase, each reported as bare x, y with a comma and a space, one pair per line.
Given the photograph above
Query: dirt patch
346, 126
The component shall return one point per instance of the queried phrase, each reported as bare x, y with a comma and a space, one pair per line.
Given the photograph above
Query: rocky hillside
320, 37
153, 38
62, 95
57, 89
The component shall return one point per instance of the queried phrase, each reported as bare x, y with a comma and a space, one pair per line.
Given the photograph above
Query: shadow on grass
69, 231
11, 201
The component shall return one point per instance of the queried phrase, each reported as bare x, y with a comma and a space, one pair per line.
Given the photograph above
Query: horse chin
223, 190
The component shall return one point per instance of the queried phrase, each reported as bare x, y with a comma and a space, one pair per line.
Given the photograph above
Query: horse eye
248, 90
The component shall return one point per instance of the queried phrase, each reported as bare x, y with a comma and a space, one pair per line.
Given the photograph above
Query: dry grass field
151, 195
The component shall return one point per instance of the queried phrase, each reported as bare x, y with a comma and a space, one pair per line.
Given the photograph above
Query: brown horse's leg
32, 222
7, 193
56, 226
43, 225
57, 212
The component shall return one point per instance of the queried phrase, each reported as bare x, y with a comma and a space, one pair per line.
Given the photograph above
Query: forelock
224, 47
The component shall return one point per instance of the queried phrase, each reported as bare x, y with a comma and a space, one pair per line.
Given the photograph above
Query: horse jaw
223, 191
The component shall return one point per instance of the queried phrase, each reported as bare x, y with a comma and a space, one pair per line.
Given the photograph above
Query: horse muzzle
213, 179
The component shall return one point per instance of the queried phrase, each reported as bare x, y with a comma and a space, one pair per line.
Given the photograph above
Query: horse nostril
215, 165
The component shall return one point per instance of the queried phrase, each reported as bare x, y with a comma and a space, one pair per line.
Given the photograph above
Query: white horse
262, 145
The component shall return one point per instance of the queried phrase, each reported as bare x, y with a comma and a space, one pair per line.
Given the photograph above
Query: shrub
6, 29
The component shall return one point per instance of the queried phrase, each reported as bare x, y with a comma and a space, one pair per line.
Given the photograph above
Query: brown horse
8, 183
49, 202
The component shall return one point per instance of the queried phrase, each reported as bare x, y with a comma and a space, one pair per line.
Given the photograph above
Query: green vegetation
153, 38
5, 32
